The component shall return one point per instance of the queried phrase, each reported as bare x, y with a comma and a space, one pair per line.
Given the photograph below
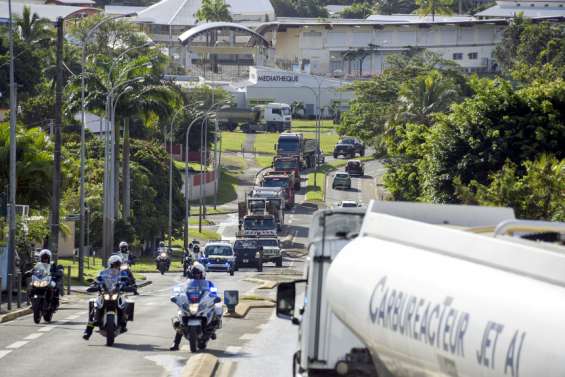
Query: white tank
431, 300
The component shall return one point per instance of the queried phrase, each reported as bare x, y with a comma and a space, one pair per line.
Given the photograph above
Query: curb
243, 308
201, 365
15, 314
265, 284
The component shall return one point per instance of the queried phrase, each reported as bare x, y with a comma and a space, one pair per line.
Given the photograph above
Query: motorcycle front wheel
36, 306
192, 338
48, 315
110, 330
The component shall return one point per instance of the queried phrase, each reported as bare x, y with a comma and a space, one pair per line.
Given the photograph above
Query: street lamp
82, 138
12, 180
317, 95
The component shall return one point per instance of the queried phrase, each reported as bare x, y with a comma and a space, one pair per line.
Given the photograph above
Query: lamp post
317, 96
12, 199
82, 140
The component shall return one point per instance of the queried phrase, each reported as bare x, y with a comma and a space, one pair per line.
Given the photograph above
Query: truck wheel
231, 272
260, 265
362, 153
335, 155
279, 262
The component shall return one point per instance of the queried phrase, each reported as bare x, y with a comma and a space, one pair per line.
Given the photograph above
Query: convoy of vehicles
283, 180
272, 117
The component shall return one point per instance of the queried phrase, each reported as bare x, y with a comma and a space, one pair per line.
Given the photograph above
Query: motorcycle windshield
195, 289
109, 280
40, 274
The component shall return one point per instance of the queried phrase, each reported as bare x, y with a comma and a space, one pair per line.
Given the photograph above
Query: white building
274, 85
529, 9
358, 48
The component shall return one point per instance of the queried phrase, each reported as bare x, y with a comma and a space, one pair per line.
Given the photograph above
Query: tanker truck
445, 290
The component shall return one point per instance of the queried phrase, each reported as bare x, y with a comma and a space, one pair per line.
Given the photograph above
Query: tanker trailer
440, 294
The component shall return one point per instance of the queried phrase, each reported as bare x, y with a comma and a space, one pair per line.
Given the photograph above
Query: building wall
324, 47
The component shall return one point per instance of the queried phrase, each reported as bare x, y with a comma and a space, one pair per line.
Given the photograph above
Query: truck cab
289, 165
281, 180
292, 144
259, 225
278, 117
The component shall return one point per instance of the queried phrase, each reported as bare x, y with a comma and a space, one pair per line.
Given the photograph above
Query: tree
213, 11
357, 11
34, 164
299, 8
32, 29
433, 7
395, 6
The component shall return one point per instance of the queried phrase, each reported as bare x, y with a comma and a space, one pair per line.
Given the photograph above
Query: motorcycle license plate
246, 261
194, 322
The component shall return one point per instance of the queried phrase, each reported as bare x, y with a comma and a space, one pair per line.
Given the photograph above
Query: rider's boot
176, 342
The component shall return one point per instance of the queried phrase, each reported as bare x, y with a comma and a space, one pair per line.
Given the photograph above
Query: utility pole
126, 174
56, 194
12, 200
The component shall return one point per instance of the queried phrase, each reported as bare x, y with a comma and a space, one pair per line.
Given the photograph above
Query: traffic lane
363, 189
143, 350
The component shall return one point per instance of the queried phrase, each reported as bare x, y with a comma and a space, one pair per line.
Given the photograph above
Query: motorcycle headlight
193, 308
106, 296
257, 255
43, 284
115, 296
36, 284
163, 255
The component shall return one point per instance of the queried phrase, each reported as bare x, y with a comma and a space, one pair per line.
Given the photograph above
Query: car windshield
348, 204
342, 176
218, 250
283, 165
275, 182
245, 244
353, 164
285, 111
269, 242
288, 145
256, 205
347, 141
259, 224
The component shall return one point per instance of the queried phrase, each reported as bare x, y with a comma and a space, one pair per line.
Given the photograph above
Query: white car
218, 256
348, 204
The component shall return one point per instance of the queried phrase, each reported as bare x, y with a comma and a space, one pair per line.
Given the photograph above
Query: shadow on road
140, 347
227, 355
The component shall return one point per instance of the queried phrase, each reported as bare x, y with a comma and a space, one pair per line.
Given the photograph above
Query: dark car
349, 147
355, 167
248, 253
341, 180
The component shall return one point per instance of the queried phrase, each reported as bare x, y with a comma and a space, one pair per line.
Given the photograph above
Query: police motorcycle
162, 261
199, 315
43, 289
110, 308
187, 261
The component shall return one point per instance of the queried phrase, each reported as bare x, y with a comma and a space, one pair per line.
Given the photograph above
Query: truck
288, 165
294, 145
267, 203
443, 290
255, 251
283, 180
272, 117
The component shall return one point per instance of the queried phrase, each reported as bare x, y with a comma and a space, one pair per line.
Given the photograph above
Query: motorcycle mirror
89, 280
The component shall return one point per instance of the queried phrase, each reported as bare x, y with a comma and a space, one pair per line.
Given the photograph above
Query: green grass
310, 125
92, 267
264, 161
315, 193
265, 143
232, 141
191, 165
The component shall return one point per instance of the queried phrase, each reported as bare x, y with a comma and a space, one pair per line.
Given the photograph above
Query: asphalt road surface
256, 346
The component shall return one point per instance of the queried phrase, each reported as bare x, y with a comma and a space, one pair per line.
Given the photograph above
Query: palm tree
33, 29
213, 11
433, 7
427, 94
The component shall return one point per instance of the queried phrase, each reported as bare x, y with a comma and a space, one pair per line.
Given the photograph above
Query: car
271, 250
248, 253
218, 256
355, 167
348, 204
349, 147
342, 180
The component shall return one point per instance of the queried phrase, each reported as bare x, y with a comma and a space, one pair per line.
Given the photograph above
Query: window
458, 56
277, 111
532, 5
473, 56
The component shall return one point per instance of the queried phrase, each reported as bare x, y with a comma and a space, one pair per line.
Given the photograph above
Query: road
245, 347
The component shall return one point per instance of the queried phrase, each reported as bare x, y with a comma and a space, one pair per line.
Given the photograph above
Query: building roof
335, 9
74, 2
122, 9
50, 12
183, 12
415, 18
192, 33
525, 9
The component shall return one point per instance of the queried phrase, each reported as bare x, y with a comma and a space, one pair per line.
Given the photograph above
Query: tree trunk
56, 194
126, 173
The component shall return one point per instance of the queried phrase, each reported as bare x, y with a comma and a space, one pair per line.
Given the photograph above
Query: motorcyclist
198, 273
51, 269
161, 249
114, 268
187, 259
126, 256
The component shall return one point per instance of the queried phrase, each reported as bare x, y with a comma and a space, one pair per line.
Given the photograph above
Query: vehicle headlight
193, 308
36, 284
163, 255
115, 296
257, 255
43, 283
106, 296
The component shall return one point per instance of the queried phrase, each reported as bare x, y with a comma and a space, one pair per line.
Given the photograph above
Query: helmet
44, 253
198, 271
114, 261
161, 244
124, 246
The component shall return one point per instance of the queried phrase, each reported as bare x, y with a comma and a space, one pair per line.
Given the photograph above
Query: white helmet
114, 259
199, 267
45, 252
123, 244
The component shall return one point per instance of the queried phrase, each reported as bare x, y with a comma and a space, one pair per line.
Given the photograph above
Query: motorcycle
44, 296
186, 265
163, 262
111, 309
200, 313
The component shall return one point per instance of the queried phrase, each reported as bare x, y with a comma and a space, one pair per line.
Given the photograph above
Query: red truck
288, 165
284, 180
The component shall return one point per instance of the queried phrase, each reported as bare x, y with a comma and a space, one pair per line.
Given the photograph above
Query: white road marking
47, 328
233, 349
82, 313
71, 317
18, 344
247, 336
4, 353
33, 336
